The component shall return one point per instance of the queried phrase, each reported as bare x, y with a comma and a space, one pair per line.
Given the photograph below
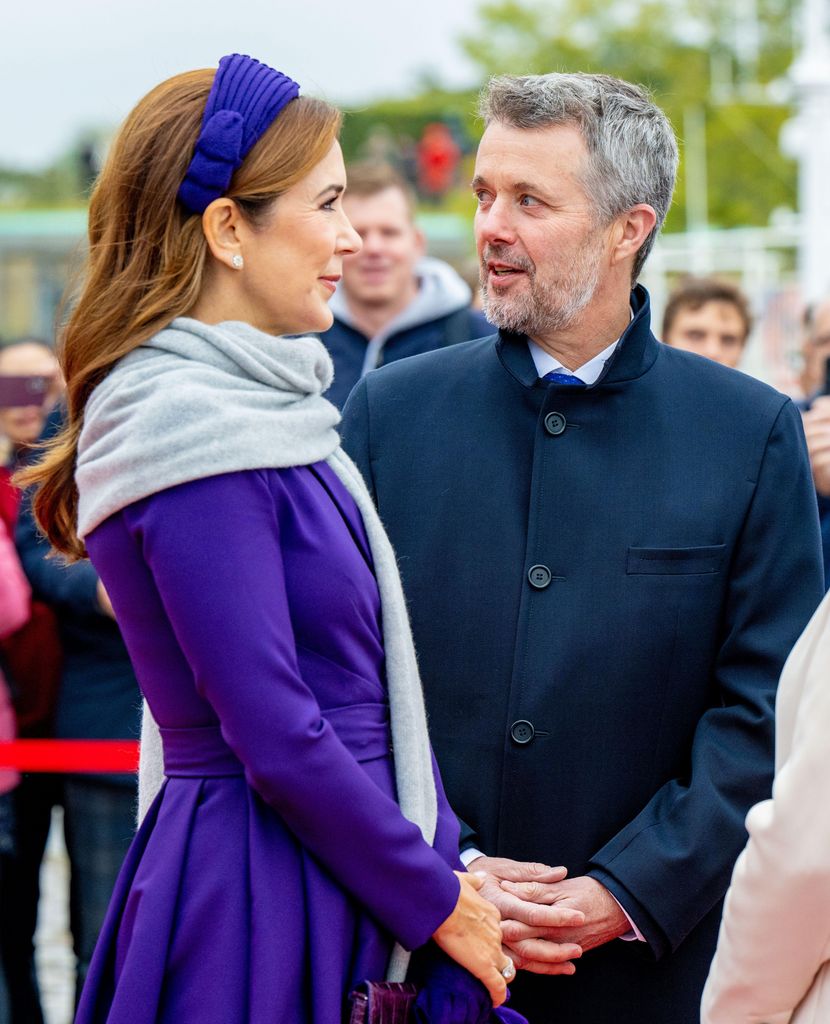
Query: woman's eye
329, 203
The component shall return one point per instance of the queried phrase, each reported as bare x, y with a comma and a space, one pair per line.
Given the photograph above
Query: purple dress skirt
274, 868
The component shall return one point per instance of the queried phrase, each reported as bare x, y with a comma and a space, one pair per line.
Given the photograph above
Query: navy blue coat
604, 584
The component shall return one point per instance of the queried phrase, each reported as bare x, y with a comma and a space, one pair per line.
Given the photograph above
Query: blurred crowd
65, 674
64, 670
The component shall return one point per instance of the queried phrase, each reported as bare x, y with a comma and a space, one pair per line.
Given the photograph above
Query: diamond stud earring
237, 262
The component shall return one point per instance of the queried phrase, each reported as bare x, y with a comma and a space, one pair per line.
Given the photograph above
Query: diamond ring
509, 970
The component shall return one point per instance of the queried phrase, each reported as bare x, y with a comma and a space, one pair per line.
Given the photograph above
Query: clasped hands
548, 920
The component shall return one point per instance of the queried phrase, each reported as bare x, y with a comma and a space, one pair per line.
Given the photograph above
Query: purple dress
274, 869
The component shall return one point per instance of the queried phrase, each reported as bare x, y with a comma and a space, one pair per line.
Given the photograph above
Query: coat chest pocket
697, 561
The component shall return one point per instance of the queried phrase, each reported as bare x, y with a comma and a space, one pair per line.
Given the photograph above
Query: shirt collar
588, 373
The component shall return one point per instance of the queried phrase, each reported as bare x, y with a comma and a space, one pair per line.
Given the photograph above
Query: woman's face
22, 424
293, 261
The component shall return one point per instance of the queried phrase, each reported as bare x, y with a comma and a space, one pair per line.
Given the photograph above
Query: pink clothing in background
14, 611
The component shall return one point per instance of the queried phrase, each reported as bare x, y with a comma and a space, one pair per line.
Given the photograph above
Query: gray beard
541, 308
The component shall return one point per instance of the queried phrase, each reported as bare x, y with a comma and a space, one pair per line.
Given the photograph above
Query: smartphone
18, 392
826, 389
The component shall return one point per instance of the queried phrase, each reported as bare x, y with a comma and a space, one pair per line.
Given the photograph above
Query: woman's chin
293, 328
321, 321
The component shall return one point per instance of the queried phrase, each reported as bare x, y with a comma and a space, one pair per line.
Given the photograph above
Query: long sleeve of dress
214, 550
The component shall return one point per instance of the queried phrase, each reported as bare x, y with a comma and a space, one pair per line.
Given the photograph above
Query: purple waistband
198, 752
201, 751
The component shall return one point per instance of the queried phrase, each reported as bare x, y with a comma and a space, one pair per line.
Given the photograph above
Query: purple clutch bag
447, 994
382, 1002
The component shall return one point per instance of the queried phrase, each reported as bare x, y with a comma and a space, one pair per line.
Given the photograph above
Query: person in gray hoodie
393, 300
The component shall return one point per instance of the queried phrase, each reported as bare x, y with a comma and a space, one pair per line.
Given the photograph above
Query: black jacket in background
347, 346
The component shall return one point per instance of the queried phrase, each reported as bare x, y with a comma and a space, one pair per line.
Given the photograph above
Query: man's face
384, 269
715, 330
542, 253
816, 350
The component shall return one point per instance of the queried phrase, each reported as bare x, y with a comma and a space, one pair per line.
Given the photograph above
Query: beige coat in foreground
771, 965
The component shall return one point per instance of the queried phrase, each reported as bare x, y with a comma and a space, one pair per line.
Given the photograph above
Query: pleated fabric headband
245, 98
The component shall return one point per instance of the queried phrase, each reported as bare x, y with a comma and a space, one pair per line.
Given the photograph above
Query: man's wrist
633, 934
469, 855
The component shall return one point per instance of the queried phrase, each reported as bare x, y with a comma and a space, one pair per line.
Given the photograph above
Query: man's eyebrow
337, 189
529, 186
517, 186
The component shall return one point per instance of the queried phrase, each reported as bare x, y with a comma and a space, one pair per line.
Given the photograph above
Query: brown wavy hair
147, 255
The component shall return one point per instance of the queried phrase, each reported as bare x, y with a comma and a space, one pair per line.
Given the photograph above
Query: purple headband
243, 101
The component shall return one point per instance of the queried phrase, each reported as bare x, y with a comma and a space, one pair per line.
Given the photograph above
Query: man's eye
528, 201
481, 196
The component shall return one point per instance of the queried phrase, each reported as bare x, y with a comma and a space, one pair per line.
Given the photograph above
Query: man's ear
631, 229
420, 243
223, 226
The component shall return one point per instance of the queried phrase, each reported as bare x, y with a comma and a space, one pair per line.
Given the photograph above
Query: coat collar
633, 356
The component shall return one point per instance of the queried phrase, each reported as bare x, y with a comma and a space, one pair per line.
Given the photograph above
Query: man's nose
711, 348
494, 223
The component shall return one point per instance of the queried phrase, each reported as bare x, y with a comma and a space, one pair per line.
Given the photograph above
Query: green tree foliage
63, 184
404, 120
717, 62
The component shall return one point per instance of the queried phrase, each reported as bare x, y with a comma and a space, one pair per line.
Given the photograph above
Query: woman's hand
471, 936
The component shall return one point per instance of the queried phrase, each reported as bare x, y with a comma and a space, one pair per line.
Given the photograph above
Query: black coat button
522, 732
539, 576
555, 423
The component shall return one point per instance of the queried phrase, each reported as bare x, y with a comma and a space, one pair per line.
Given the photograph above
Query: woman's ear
223, 226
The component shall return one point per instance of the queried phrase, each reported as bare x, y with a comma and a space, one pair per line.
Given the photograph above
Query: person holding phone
73, 680
29, 387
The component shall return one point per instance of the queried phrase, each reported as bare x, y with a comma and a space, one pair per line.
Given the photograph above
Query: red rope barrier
70, 755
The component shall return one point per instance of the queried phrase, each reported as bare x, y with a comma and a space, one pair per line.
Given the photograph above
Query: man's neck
599, 325
371, 318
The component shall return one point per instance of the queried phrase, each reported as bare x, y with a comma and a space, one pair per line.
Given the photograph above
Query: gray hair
631, 144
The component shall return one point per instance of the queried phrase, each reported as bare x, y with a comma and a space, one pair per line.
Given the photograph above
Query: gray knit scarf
196, 401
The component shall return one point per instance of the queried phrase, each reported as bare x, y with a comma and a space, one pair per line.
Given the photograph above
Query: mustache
504, 254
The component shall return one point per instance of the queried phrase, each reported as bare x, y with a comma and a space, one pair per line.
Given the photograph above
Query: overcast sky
70, 64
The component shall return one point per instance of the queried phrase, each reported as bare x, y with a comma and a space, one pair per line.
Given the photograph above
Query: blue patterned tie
562, 377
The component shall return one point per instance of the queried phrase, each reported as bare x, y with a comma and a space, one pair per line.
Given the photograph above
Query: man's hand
527, 919
817, 432
604, 919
